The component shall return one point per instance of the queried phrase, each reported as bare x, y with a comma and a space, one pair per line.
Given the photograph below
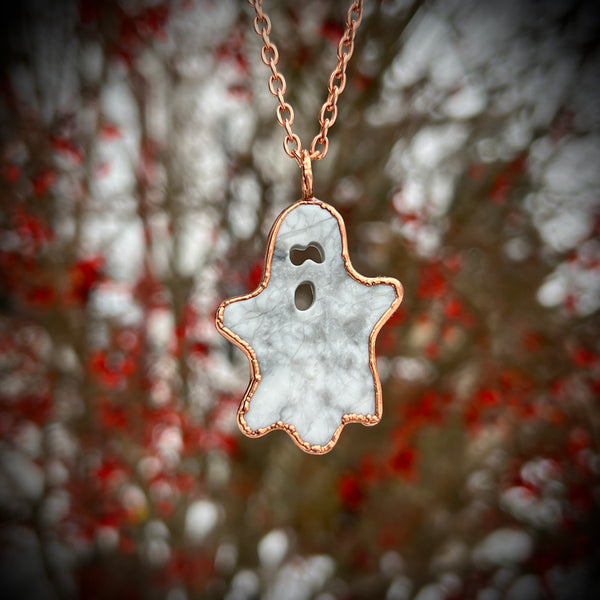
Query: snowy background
141, 168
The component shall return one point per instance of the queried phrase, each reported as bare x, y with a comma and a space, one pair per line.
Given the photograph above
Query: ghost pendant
309, 332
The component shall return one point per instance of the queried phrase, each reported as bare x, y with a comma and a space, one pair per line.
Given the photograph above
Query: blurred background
141, 168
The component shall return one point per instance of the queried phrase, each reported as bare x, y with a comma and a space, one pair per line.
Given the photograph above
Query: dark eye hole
300, 254
304, 296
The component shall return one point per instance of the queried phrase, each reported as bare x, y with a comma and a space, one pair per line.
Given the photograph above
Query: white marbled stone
314, 363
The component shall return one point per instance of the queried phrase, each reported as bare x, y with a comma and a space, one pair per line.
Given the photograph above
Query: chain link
278, 86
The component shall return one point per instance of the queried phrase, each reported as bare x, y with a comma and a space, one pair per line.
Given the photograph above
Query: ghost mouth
304, 296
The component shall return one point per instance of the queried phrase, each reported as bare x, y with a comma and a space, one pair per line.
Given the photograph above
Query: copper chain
277, 84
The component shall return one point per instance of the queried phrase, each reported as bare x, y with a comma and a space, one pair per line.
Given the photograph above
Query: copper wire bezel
255, 376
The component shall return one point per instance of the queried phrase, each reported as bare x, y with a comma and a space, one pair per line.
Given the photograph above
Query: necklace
309, 329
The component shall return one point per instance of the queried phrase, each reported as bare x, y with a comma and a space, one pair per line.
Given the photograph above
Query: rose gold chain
277, 87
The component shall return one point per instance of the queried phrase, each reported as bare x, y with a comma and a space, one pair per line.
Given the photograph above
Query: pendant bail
307, 176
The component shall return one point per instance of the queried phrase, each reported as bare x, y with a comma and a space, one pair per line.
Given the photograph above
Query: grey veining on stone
314, 363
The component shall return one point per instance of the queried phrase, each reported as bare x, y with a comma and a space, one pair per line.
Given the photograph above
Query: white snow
273, 548
301, 578
201, 518
503, 546
467, 102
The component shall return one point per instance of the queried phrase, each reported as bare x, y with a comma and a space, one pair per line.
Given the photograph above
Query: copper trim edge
255, 376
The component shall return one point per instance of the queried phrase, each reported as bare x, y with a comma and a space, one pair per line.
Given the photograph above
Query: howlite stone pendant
309, 332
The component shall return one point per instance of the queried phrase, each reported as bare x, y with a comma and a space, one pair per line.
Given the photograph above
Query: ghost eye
300, 254
304, 296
